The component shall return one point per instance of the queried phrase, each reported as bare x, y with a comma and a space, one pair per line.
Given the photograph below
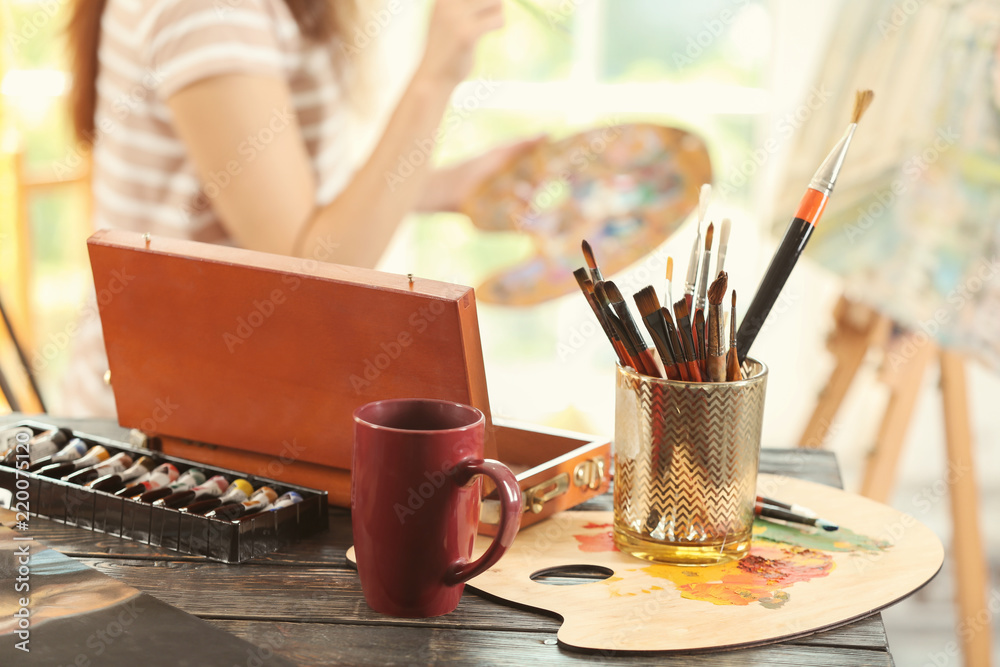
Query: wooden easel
857, 329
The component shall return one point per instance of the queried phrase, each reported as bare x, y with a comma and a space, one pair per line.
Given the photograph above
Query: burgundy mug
415, 496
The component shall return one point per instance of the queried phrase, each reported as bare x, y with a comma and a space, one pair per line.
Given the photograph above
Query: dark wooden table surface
305, 602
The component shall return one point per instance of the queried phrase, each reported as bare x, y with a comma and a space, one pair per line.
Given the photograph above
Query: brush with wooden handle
647, 356
687, 342
733, 372
587, 287
652, 317
716, 358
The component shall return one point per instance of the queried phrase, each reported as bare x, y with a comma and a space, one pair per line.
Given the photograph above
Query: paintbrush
798, 509
539, 14
698, 332
652, 317
799, 230
647, 357
700, 337
723, 245
771, 512
706, 260
716, 357
675, 343
588, 255
733, 372
684, 333
587, 287
668, 294
631, 354
691, 282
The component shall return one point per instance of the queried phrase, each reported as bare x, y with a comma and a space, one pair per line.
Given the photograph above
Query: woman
232, 120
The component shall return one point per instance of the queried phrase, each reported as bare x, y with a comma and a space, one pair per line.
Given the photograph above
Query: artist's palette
624, 188
792, 583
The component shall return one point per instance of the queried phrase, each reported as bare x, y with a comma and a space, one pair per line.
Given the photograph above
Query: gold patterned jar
686, 456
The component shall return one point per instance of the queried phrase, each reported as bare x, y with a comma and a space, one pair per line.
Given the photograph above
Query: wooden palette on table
625, 188
793, 582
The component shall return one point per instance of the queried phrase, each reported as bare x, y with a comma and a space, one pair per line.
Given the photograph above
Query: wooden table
305, 603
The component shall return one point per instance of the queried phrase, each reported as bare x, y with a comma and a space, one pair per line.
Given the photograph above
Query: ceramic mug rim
473, 412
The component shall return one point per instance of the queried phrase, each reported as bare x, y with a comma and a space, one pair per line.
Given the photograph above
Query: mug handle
510, 517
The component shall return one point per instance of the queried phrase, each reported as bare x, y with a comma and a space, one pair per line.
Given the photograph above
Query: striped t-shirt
143, 178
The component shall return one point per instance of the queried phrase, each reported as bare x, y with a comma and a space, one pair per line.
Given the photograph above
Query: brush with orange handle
798, 232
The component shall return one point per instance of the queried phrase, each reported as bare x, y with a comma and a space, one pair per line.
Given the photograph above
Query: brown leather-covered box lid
252, 350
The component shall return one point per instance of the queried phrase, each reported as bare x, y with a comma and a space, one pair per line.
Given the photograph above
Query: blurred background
736, 72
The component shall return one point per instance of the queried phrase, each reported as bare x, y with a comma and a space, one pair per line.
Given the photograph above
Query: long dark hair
318, 20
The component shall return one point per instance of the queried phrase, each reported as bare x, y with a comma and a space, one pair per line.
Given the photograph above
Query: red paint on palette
604, 541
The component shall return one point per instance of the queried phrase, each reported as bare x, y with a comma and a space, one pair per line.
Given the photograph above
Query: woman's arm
268, 202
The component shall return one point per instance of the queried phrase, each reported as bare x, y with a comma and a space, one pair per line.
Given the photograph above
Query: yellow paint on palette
760, 577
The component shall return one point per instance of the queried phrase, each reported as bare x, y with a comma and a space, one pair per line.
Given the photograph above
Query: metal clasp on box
590, 473
533, 499
536, 497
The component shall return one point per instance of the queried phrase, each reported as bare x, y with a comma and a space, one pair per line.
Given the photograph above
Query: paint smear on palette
780, 556
761, 576
599, 542
838, 540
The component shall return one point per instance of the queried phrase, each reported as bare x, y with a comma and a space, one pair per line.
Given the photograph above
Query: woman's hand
449, 187
454, 30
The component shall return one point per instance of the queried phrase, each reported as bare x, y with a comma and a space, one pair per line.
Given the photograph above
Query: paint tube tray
31, 494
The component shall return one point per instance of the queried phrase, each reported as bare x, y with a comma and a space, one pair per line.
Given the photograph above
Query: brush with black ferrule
587, 287
687, 343
652, 317
631, 354
799, 230
716, 358
647, 355
733, 372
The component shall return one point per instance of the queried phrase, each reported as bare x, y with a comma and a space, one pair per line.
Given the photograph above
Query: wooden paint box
256, 362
